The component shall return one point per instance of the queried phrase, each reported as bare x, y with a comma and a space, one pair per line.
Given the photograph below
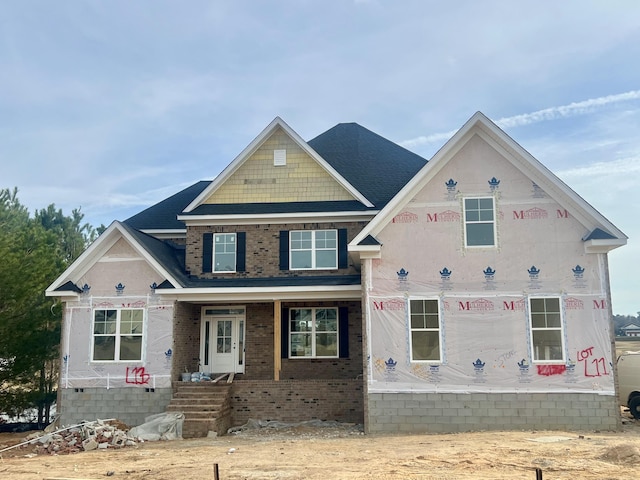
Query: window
224, 252
117, 334
479, 222
314, 249
313, 332
425, 330
546, 329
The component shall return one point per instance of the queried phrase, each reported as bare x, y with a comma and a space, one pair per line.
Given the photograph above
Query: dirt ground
343, 452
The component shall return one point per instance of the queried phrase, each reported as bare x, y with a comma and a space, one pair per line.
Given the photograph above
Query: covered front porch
274, 378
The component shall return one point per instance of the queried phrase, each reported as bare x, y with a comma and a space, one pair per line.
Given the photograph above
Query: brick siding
262, 249
297, 400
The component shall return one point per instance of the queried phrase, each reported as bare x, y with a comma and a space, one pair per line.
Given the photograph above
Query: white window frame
560, 329
313, 332
216, 236
413, 329
314, 249
467, 222
118, 335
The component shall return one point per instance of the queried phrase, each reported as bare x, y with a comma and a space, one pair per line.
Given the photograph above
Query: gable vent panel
279, 158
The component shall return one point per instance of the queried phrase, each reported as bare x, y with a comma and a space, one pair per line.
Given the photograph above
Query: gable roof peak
276, 123
603, 234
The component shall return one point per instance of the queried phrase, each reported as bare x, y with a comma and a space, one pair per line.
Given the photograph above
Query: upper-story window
547, 339
117, 334
224, 252
479, 222
313, 249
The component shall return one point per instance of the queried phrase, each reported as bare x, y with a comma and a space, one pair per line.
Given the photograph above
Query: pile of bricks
88, 436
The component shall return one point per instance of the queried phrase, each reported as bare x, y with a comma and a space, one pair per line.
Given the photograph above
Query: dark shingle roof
369, 240
167, 254
293, 281
285, 207
599, 234
375, 166
69, 286
163, 215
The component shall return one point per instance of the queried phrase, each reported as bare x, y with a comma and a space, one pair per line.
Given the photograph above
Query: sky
113, 106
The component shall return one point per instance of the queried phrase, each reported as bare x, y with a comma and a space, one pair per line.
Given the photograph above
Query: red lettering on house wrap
513, 305
593, 367
446, 216
405, 217
572, 303
479, 305
599, 305
549, 370
531, 214
137, 376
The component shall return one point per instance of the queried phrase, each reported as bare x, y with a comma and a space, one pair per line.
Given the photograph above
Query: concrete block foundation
459, 412
129, 405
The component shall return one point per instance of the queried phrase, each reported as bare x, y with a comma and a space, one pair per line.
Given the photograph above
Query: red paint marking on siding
548, 370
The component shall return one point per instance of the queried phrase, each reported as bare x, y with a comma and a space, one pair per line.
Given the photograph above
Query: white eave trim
254, 145
334, 292
165, 233
63, 295
603, 246
195, 220
366, 251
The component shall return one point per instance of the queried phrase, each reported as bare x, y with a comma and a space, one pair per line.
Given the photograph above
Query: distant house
631, 330
347, 278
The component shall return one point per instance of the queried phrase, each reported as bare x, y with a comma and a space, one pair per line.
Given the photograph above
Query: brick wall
343, 368
259, 347
263, 248
297, 400
453, 412
130, 405
186, 339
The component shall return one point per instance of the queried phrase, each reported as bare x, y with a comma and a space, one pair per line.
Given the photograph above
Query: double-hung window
479, 222
224, 252
424, 317
117, 334
547, 339
313, 332
313, 249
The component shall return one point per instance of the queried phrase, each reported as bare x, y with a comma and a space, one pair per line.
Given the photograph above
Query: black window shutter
343, 255
343, 331
284, 334
284, 250
241, 251
207, 252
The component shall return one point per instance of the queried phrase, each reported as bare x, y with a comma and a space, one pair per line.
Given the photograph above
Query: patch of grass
627, 344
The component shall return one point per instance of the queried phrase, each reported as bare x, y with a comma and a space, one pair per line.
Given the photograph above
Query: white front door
222, 341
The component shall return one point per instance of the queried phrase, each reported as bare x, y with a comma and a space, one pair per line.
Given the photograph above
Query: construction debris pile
102, 434
87, 436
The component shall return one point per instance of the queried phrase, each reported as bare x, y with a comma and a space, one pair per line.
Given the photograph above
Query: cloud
552, 113
565, 111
